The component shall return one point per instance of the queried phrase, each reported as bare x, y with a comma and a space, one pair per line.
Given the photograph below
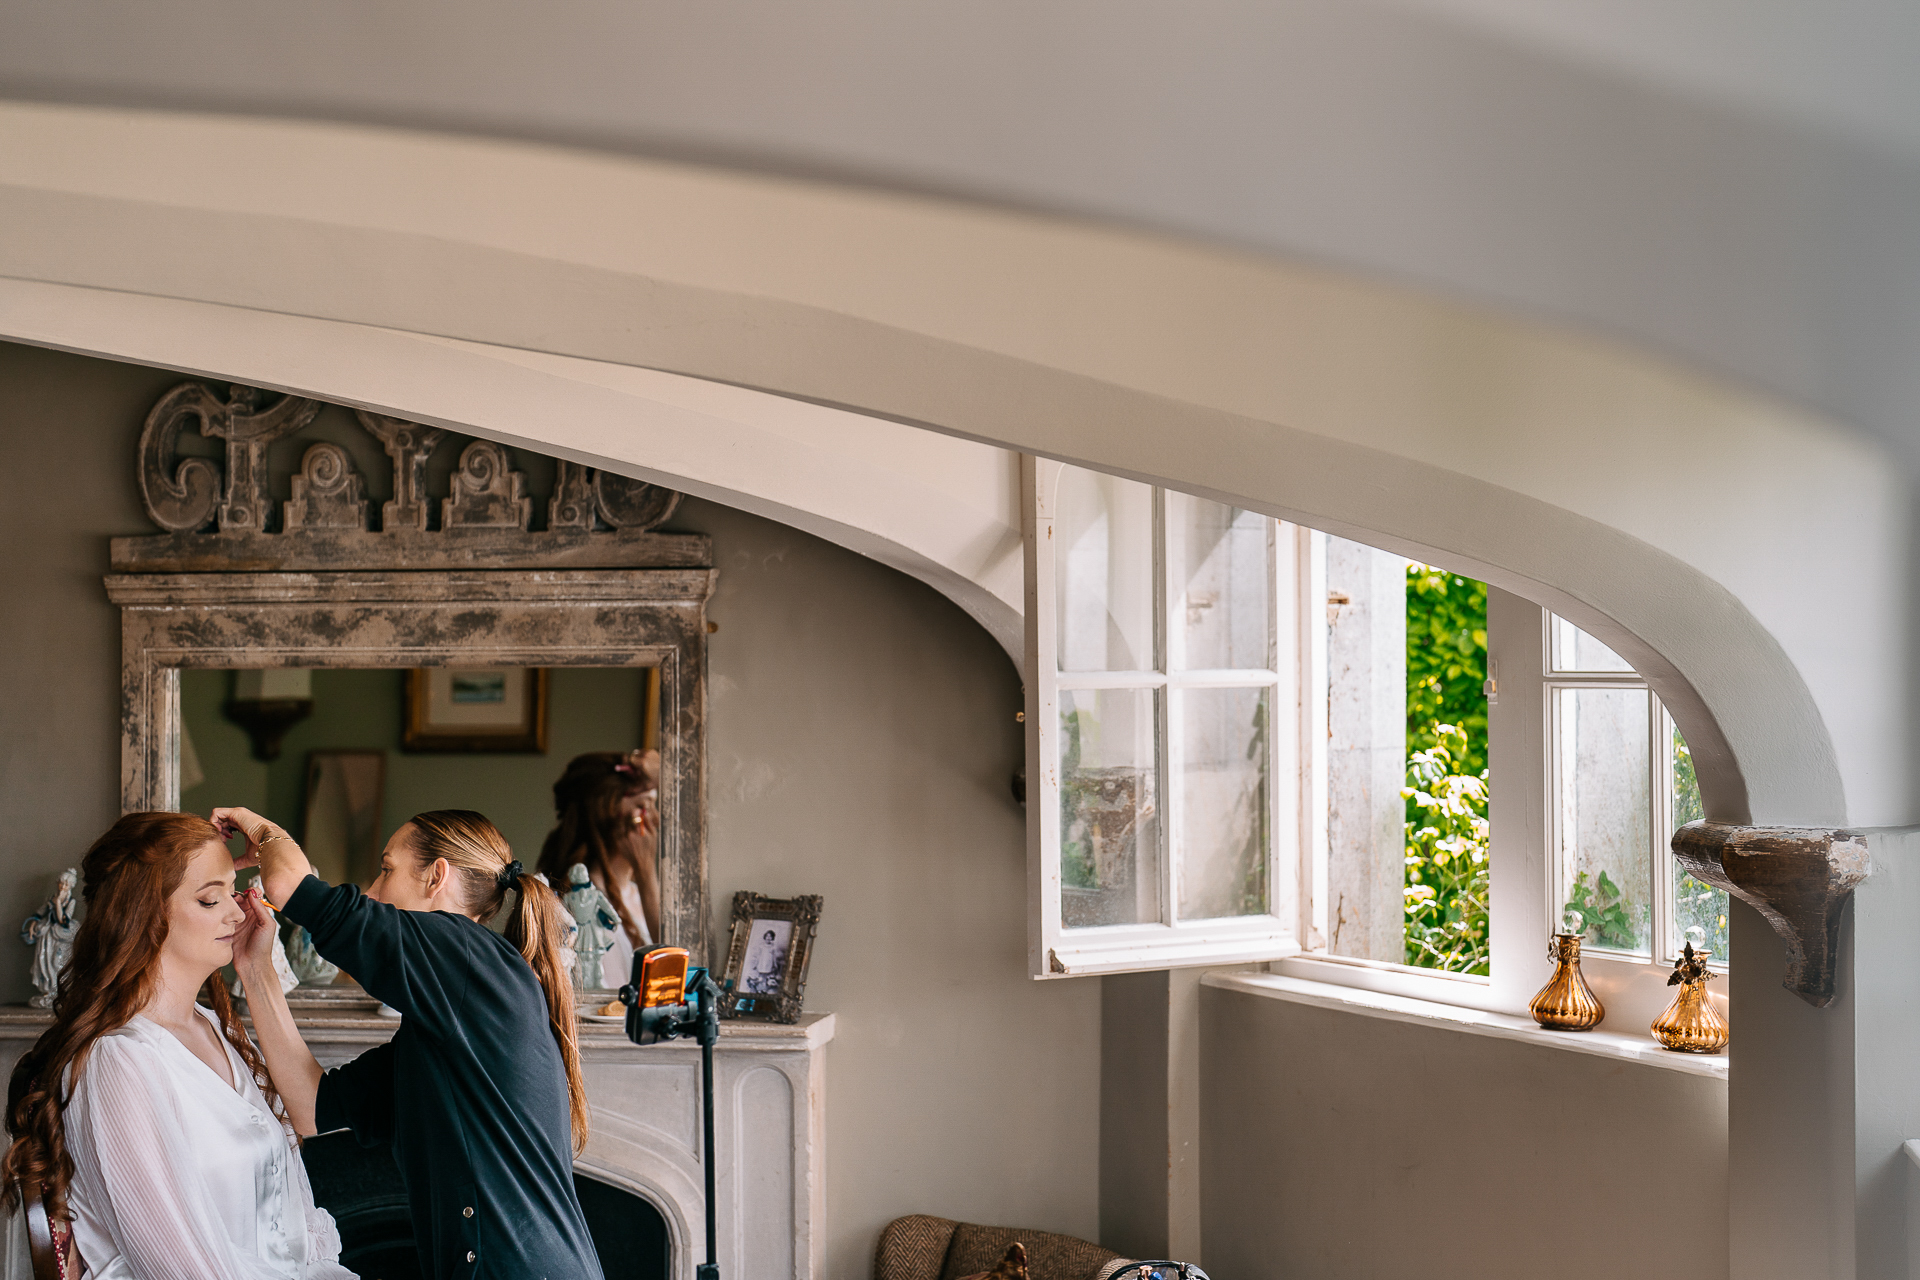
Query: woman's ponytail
474, 847
535, 929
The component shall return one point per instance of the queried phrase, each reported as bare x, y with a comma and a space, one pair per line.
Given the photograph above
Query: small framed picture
766, 973
459, 709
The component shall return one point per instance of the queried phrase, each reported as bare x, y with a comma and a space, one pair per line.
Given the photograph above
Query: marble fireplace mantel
769, 1092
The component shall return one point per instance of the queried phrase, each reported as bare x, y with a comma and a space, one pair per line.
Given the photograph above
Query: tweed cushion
1106, 1272
977, 1249
913, 1248
1012, 1267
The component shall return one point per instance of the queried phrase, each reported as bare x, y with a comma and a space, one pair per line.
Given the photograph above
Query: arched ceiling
540, 295
1734, 183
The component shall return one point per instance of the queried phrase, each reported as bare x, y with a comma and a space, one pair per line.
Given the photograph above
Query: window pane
1104, 572
1699, 910
1603, 815
1575, 650
1219, 560
1108, 813
1225, 815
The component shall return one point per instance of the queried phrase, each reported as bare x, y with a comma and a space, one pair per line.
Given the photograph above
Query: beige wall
1341, 1147
862, 738
68, 427
862, 742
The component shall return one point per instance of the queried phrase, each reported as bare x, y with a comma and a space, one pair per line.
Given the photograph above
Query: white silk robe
180, 1175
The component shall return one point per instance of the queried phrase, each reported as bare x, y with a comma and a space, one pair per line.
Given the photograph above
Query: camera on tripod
667, 1000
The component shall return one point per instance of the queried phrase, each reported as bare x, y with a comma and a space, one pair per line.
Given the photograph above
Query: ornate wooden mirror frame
223, 589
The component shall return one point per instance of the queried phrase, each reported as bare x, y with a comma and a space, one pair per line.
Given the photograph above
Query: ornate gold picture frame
463, 709
765, 978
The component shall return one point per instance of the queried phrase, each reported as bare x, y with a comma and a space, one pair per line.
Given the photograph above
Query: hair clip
623, 767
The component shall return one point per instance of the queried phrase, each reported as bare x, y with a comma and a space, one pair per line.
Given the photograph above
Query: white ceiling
1734, 184
1848, 66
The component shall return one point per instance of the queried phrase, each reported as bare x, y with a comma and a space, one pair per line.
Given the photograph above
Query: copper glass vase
1691, 1024
1566, 1003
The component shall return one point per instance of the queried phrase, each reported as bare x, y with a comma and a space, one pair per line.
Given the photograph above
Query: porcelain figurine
594, 918
49, 931
306, 963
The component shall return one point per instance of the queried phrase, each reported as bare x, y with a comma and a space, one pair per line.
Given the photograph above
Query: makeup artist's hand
253, 940
283, 864
237, 821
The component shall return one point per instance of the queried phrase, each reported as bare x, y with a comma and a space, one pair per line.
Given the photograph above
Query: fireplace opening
361, 1188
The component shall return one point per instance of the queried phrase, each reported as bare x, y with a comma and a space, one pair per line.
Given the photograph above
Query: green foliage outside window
1446, 662
1447, 858
1598, 910
1446, 791
1699, 910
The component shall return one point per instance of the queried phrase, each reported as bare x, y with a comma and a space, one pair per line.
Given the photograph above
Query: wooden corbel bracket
1799, 878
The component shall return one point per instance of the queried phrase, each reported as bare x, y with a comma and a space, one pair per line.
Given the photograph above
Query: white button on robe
181, 1176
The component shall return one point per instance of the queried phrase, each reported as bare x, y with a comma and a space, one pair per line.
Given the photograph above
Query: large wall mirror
340, 639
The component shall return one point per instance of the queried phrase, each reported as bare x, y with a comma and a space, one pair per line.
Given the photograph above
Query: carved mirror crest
241, 580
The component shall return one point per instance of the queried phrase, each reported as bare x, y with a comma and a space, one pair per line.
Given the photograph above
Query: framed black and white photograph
766, 972
461, 709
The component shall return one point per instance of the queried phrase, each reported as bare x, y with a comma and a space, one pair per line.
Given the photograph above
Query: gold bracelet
261, 844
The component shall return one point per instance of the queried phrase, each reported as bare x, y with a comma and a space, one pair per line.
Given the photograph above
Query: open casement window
1163, 727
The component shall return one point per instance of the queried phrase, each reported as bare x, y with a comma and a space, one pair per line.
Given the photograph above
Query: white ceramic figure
49, 931
594, 918
306, 963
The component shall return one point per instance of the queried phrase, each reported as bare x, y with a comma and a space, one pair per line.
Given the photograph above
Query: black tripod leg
711, 1271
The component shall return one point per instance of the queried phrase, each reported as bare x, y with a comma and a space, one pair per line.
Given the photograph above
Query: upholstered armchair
919, 1247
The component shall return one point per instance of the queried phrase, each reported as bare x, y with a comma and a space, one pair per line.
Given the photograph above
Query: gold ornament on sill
1566, 1003
1691, 1024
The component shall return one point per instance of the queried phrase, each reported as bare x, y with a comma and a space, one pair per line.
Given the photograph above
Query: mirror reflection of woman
607, 815
479, 1094
148, 1119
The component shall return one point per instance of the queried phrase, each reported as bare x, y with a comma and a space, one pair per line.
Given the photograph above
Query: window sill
1500, 1026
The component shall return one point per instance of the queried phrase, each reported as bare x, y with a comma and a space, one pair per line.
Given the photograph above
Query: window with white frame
1620, 781
1162, 669
1221, 721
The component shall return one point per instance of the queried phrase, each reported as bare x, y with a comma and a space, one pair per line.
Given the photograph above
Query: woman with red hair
147, 1120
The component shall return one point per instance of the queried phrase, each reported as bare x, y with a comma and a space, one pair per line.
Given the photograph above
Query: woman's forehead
212, 862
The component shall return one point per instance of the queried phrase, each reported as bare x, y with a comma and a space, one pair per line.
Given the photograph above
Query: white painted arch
523, 293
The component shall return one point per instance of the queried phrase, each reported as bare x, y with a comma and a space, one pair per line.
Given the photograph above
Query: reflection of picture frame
766, 974
458, 709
